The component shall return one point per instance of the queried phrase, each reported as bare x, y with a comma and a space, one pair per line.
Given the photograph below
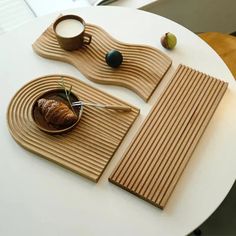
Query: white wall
198, 15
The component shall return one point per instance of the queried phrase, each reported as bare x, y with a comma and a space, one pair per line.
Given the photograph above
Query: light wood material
86, 149
142, 69
159, 153
225, 46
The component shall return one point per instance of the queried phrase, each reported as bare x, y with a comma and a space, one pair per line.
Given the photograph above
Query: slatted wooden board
86, 149
142, 69
159, 153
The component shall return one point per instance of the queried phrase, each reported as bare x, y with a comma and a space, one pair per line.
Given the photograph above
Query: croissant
56, 112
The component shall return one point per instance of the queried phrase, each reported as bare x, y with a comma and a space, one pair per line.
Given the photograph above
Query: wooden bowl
58, 95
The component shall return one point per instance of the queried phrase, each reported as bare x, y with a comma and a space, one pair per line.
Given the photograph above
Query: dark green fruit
114, 58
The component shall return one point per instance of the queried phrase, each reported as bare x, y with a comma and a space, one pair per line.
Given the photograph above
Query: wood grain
225, 46
161, 149
86, 149
142, 69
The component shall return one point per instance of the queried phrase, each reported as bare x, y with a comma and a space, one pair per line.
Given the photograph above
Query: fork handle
113, 107
121, 108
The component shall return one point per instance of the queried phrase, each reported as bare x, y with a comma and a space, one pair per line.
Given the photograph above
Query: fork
98, 105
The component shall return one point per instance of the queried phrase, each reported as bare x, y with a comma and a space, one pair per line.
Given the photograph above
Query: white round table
38, 197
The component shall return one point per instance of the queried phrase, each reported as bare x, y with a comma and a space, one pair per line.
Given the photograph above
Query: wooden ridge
86, 149
161, 149
142, 69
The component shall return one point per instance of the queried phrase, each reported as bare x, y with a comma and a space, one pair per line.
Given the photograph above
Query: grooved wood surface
142, 69
159, 153
86, 149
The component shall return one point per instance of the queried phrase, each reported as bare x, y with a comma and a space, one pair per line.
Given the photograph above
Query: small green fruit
168, 40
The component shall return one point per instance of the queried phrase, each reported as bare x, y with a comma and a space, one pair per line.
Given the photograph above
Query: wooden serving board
86, 149
159, 153
142, 69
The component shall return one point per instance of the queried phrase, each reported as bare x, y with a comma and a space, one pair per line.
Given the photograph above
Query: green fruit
168, 40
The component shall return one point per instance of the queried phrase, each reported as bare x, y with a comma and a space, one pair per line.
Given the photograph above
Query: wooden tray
86, 149
159, 153
141, 71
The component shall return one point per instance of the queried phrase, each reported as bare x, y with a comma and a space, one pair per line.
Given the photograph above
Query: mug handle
89, 37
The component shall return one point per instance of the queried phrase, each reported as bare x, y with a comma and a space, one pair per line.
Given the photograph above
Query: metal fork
98, 105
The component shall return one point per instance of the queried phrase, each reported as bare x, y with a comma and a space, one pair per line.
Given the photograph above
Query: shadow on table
223, 221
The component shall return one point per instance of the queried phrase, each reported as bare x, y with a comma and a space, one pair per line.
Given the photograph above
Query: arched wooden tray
86, 149
141, 71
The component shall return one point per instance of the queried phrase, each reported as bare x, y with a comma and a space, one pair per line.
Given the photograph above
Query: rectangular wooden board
161, 149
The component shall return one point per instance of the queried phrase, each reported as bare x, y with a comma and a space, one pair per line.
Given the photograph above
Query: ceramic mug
70, 32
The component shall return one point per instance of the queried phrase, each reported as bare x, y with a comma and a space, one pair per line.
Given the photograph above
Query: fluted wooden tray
159, 153
86, 149
141, 71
